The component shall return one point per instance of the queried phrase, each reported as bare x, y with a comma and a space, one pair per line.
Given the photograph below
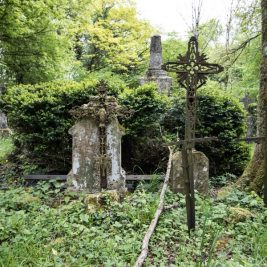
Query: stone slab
201, 172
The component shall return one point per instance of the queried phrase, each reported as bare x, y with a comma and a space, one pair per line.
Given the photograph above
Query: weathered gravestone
96, 148
201, 172
155, 73
3, 118
247, 100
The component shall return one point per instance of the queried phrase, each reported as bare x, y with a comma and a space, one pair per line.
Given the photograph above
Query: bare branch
243, 45
142, 257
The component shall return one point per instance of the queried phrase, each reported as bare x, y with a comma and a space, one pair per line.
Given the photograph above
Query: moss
225, 192
95, 201
238, 214
252, 178
257, 182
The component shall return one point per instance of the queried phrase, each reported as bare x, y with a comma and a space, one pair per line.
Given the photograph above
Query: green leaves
67, 234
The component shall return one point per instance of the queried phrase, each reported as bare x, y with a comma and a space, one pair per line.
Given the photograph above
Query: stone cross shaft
192, 70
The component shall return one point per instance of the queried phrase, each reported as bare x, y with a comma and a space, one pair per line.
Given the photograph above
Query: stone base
201, 172
159, 77
74, 184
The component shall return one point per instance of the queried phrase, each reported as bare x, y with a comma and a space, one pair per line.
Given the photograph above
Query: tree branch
142, 257
243, 45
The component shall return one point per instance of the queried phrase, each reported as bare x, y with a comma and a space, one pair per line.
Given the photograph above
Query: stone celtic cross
192, 70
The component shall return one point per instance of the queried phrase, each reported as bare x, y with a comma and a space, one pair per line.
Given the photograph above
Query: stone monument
201, 173
96, 145
3, 118
155, 72
247, 100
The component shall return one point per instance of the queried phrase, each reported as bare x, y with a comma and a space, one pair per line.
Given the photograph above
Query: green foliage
45, 226
113, 38
218, 115
41, 120
34, 44
6, 147
110, 235
46, 40
143, 130
222, 180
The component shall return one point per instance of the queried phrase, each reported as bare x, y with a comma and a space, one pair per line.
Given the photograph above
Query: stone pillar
95, 157
155, 73
3, 118
201, 172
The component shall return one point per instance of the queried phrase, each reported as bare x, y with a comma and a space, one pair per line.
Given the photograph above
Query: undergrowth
6, 146
48, 226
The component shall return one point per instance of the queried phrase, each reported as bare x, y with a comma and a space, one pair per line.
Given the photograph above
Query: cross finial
192, 68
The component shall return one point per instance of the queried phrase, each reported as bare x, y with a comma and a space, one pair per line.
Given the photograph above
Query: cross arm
172, 66
195, 140
208, 68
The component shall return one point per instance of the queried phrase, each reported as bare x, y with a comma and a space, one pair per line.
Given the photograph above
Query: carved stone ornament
102, 107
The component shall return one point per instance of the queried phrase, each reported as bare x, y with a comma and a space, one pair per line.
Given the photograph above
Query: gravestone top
102, 107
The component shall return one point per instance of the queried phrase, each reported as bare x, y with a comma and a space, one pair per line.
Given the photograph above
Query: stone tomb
96, 146
155, 73
201, 172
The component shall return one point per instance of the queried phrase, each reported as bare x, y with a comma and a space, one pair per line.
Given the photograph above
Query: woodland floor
47, 226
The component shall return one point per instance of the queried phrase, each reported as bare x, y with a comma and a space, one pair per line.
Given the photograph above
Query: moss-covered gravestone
96, 145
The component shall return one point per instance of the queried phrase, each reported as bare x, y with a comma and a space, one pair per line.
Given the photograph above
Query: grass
6, 147
47, 226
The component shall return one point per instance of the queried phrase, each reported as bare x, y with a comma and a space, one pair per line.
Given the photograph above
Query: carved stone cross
192, 70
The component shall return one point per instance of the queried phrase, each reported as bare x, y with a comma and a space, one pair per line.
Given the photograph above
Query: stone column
96, 156
201, 172
3, 118
154, 72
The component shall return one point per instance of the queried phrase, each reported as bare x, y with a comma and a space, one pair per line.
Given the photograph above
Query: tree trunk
253, 174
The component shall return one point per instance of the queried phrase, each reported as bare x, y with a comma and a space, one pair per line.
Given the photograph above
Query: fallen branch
142, 257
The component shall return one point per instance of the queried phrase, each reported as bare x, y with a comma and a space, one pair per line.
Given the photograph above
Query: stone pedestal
154, 72
96, 147
201, 172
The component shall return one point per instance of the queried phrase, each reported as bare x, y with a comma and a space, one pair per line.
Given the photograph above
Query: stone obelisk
154, 72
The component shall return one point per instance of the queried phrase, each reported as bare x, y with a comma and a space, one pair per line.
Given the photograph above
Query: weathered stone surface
155, 73
85, 173
3, 118
201, 172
